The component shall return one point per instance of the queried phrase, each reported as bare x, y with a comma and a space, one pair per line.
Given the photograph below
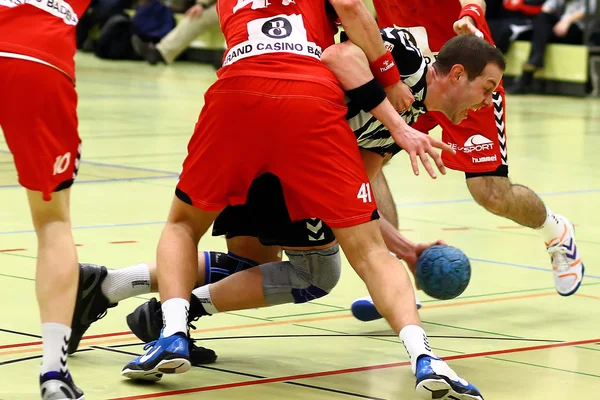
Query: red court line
102, 335
124, 242
349, 370
271, 323
9, 250
12, 346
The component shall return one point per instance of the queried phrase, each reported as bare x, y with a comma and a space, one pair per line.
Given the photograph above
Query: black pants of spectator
543, 34
98, 13
503, 34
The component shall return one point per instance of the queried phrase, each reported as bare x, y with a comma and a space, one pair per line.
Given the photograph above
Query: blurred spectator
197, 19
595, 29
97, 14
151, 21
560, 22
510, 20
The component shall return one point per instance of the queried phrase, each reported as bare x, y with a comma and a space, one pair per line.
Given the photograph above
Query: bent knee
306, 276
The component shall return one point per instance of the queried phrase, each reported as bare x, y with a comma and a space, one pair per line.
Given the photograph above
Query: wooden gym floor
510, 333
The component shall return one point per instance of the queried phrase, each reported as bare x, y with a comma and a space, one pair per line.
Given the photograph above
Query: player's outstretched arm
350, 66
472, 11
480, 3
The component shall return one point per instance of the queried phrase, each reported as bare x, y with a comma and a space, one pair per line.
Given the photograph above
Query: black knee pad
220, 265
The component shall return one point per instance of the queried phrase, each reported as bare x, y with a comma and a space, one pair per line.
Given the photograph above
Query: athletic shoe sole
440, 388
172, 366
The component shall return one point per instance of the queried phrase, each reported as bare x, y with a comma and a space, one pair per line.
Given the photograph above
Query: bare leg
56, 283
385, 201
520, 204
240, 291
515, 202
57, 274
386, 278
177, 253
243, 246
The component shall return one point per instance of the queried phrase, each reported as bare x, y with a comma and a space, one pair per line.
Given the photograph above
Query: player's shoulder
399, 40
396, 36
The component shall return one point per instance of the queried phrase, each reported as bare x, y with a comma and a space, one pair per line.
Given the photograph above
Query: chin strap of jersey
474, 11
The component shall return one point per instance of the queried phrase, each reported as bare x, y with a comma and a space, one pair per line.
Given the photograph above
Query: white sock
415, 341
175, 316
121, 284
203, 294
55, 338
552, 228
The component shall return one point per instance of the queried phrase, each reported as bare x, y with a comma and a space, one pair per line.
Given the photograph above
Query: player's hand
194, 11
418, 144
400, 96
418, 248
466, 26
561, 28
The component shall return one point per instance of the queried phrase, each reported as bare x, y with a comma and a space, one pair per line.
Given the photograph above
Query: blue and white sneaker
364, 309
167, 355
56, 385
436, 380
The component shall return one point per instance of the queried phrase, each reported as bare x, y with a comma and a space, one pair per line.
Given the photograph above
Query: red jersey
43, 29
276, 38
429, 22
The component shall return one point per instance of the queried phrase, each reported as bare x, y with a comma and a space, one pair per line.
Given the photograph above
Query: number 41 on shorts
364, 193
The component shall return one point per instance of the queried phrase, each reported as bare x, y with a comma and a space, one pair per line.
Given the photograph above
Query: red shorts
479, 141
39, 119
295, 130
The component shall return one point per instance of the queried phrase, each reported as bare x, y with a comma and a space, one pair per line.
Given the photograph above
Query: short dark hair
469, 51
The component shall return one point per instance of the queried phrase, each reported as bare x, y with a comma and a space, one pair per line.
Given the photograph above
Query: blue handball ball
443, 272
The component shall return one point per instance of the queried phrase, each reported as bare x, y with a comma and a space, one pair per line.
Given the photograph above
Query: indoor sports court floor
509, 333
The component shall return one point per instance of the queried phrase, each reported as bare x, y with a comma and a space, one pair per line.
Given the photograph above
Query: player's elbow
332, 55
339, 56
345, 7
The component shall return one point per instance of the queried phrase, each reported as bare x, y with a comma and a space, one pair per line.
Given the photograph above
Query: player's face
476, 94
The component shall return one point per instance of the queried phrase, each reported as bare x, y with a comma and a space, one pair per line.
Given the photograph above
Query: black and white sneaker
55, 385
91, 303
146, 321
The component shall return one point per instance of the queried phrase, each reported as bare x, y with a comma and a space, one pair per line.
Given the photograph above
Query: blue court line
141, 178
469, 200
92, 227
524, 266
101, 164
162, 222
119, 166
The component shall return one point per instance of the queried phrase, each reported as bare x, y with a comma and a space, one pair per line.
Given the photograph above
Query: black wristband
367, 96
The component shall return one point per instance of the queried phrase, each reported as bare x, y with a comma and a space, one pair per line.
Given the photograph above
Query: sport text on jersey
58, 8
